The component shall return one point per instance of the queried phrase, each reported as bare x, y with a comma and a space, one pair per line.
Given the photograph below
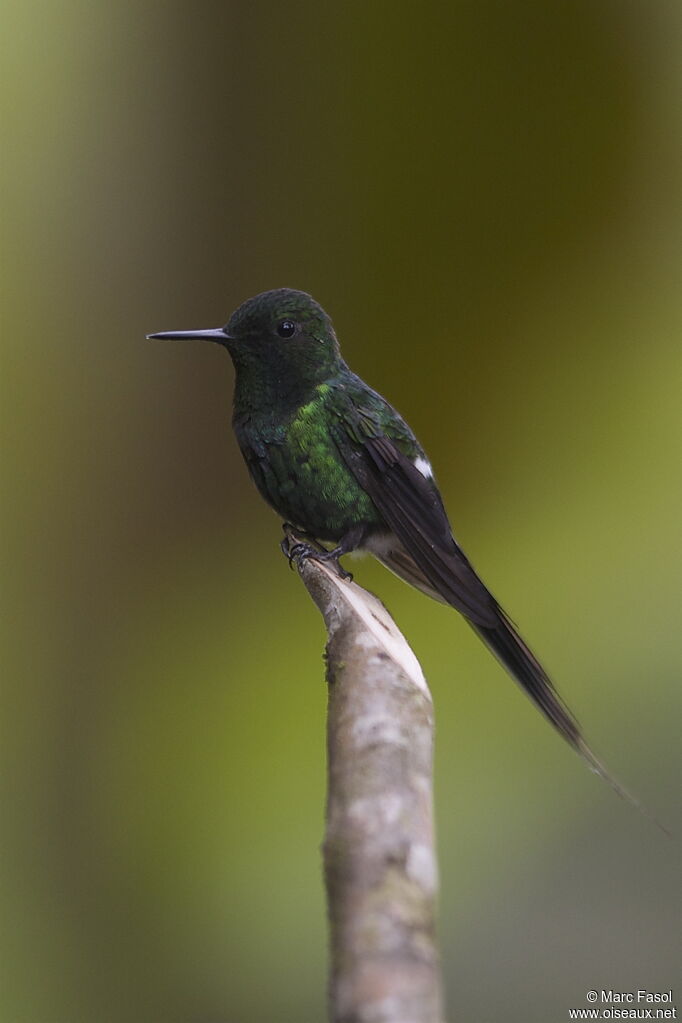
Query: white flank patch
424, 467
380, 544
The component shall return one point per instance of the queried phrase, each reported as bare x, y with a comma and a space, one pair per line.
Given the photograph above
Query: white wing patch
424, 467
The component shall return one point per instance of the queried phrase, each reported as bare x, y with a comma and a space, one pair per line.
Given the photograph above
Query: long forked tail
522, 664
513, 653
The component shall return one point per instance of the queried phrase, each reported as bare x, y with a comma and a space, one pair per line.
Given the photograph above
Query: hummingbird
341, 466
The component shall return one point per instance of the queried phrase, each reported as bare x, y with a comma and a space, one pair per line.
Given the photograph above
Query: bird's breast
301, 474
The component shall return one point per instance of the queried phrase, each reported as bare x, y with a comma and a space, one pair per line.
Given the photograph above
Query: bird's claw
348, 576
298, 551
289, 544
286, 548
301, 552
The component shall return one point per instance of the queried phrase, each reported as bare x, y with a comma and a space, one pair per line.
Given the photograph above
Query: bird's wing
380, 451
412, 508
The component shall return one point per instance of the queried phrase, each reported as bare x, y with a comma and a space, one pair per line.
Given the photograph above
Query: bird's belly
309, 486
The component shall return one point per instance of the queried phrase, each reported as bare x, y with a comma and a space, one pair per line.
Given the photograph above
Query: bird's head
277, 335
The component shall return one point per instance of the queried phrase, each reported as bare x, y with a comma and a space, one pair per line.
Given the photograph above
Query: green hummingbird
342, 467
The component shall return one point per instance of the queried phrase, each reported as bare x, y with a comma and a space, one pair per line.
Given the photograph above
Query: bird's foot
332, 556
295, 543
297, 550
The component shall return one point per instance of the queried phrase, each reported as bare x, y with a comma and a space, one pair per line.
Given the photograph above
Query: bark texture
379, 854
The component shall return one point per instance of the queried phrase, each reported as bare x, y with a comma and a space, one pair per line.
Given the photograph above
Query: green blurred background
486, 198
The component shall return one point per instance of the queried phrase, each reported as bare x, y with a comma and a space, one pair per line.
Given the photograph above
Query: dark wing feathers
411, 506
377, 449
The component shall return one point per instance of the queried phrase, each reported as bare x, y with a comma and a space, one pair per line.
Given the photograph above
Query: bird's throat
275, 386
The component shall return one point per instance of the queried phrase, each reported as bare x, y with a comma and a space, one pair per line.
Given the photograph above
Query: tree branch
379, 856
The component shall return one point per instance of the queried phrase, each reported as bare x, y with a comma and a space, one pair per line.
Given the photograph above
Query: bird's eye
287, 328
